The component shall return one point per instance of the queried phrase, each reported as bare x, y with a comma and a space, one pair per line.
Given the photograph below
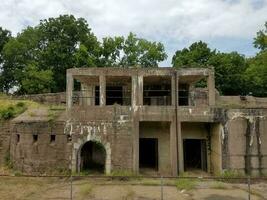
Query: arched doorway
92, 157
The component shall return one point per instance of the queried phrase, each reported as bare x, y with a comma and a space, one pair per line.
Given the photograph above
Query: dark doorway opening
148, 153
195, 154
93, 156
114, 95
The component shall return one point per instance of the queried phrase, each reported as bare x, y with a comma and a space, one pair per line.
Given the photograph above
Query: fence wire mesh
131, 188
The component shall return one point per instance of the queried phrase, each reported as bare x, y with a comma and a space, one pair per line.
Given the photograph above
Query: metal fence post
71, 187
161, 181
249, 188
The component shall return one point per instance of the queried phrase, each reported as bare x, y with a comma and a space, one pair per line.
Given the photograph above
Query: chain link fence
131, 188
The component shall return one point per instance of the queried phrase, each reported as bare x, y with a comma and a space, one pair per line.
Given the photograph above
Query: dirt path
17, 188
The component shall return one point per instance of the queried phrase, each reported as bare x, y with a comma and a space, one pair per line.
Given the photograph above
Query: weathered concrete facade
152, 119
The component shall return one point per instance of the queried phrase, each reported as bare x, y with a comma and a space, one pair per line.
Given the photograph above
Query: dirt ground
21, 188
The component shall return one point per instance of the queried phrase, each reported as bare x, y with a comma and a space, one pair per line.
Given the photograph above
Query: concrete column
191, 95
88, 94
102, 81
134, 91
135, 99
135, 143
180, 148
140, 90
211, 88
173, 91
173, 148
69, 90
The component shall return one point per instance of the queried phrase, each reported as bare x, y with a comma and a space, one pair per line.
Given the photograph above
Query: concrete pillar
134, 91
69, 90
140, 90
88, 95
173, 91
191, 95
136, 144
180, 148
211, 88
102, 83
173, 148
135, 125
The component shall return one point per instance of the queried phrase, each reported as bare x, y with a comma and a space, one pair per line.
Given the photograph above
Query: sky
227, 25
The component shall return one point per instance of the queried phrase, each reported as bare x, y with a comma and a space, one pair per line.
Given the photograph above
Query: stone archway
92, 157
77, 161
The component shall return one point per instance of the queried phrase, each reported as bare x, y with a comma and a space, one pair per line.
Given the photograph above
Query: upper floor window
157, 90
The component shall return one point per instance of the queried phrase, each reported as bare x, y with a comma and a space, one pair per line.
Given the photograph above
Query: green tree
141, 52
197, 55
260, 41
256, 75
5, 35
111, 51
55, 44
36, 81
228, 67
131, 52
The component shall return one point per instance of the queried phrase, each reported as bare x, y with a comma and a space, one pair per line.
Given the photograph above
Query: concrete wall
215, 149
247, 141
4, 141
46, 98
194, 130
40, 156
160, 131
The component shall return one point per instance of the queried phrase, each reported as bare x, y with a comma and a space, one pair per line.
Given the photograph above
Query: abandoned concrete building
147, 121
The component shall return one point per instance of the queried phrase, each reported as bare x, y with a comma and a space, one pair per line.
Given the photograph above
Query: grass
218, 185
186, 184
232, 174
12, 108
86, 189
122, 173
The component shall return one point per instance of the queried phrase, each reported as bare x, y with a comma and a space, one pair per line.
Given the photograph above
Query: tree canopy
36, 59
56, 44
228, 66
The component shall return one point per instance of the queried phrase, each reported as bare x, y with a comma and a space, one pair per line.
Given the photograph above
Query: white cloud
170, 21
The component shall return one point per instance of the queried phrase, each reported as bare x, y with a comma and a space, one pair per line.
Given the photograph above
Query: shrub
8, 113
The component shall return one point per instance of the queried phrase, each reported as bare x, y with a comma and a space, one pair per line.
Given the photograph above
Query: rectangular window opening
183, 94
52, 138
69, 138
157, 90
17, 138
35, 138
118, 90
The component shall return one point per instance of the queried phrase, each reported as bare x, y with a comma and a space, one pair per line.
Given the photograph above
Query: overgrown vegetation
186, 183
10, 109
232, 174
8, 162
